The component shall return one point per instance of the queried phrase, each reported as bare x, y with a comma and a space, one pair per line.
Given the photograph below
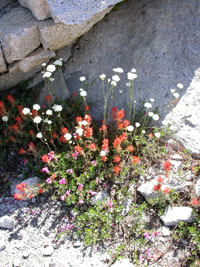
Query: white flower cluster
132, 75
51, 68
57, 108
5, 118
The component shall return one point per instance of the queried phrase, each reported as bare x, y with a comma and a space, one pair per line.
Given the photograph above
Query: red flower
88, 132
116, 169
12, 139
167, 190
116, 159
54, 135
167, 165
117, 143
87, 118
45, 158
123, 137
114, 109
31, 147
160, 179
157, 187
126, 123
92, 146
18, 196
78, 119
104, 158
64, 130
30, 196
48, 99
135, 160
79, 149
34, 113
120, 114
130, 148
11, 99
21, 151
194, 202
105, 144
41, 191
74, 94
150, 135
86, 108
21, 186
19, 119
31, 132
103, 128
62, 139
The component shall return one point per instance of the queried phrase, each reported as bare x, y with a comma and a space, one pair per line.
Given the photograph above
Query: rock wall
48, 25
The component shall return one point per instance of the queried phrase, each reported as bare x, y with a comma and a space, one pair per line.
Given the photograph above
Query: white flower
128, 84
46, 120
180, 86
164, 123
83, 93
113, 83
116, 78
37, 119
176, 95
51, 79
130, 128
148, 105
44, 64
150, 114
133, 70
61, 59
102, 76
172, 91
120, 91
137, 124
152, 100
49, 122
58, 62
82, 79
109, 80
51, 68
57, 108
119, 70
79, 132
36, 107
143, 131
5, 118
83, 123
157, 135
131, 76
103, 153
26, 111
68, 136
39, 135
81, 89
47, 74
49, 112
155, 117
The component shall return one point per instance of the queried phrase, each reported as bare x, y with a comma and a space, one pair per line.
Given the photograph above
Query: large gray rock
6, 222
175, 215
158, 38
100, 196
35, 58
15, 75
39, 8
19, 34
3, 66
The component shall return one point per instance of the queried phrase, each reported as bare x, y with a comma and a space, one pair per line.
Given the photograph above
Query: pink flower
24, 161
146, 235
80, 187
48, 181
69, 171
81, 201
62, 181
68, 193
50, 156
97, 180
93, 193
94, 163
62, 198
109, 203
69, 226
46, 170
155, 233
